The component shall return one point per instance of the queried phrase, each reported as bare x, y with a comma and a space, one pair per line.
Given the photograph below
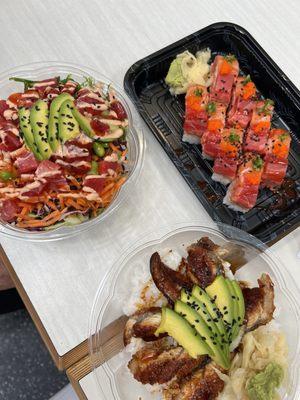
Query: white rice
227, 201
192, 139
220, 178
227, 270
142, 279
171, 258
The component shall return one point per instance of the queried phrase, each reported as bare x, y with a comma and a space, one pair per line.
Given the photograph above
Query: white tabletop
61, 278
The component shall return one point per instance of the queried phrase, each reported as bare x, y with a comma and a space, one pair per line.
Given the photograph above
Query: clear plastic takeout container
135, 141
114, 381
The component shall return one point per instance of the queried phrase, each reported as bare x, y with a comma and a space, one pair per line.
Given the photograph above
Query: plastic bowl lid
114, 381
135, 142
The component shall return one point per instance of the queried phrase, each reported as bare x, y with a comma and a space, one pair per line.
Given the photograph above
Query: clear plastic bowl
135, 141
114, 381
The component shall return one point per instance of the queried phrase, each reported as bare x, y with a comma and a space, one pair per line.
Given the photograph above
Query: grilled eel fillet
153, 364
143, 324
259, 303
203, 384
201, 267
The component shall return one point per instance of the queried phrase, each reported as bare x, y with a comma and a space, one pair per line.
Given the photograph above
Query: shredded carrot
23, 204
47, 221
74, 182
72, 203
107, 188
120, 182
82, 201
51, 204
113, 147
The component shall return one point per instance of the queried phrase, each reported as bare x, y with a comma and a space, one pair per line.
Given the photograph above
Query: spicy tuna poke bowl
64, 151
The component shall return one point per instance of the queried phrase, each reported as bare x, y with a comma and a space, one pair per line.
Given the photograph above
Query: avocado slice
184, 334
204, 298
113, 134
24, 119
39, 125
68, 127
221, 296
241, 303
53, 119
187, 298
83, 122
220, 356
234, 326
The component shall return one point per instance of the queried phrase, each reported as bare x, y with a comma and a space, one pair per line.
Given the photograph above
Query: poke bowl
133, 291
71, 150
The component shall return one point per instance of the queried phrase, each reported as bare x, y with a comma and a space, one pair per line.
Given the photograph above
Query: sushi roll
211, 138
276, 159
258, 131
243, 191
242, 103
196, 116
224, 72
227, 161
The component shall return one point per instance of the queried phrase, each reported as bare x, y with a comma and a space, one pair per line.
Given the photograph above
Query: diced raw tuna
94, 182
26, 99
118, 108
211, 138
243, 191
75, 167
195, 122
8, 210
9, 136
276, 159
69, 87
224, 72
258, 131
228, 159
50, 174
26, 163
89, 102
104, 166
33, 189
242, 103
3, 107
48, 169
45, 84
50, 93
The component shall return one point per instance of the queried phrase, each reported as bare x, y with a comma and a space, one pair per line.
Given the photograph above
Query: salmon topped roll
224, 72
276, 159
228, 159
242, 102
211, 138
258, 131
243, 191
195, 122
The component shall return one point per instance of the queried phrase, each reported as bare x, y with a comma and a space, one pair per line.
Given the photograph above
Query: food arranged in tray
63, 152
232, 123
229, 120
196, 332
